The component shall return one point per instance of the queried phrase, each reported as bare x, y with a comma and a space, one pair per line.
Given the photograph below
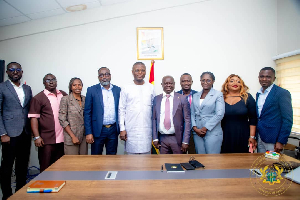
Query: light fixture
76, 8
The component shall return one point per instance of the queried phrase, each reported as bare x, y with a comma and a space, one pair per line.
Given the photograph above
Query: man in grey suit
15, 129
171, 117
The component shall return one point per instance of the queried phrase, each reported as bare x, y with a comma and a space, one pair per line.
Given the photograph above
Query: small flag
151, 75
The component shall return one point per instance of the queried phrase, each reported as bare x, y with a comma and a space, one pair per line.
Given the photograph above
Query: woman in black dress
239, 122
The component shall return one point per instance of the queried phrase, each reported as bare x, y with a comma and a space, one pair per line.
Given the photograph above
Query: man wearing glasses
15, 129
101, 115
47, 131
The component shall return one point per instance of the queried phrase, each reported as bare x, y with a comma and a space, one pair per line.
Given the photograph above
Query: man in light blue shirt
101, 114
274, 112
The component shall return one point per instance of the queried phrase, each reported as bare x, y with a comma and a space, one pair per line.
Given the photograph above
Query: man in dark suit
274, 112
15, 129
101, 115
186, 83
171, 118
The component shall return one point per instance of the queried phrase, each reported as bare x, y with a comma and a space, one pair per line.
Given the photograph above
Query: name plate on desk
111, 175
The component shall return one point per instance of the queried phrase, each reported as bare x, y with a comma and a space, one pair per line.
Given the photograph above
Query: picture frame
150, 43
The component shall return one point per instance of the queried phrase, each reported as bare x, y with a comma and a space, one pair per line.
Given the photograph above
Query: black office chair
292, 150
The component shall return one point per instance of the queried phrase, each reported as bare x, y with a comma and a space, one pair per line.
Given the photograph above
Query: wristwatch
35, 138
253, 137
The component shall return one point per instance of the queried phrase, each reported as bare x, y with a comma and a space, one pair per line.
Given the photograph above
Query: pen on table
162, 168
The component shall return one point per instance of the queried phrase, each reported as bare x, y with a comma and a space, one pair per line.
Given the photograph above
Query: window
288, 77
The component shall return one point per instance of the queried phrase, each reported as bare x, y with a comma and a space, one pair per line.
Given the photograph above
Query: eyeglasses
50, 80
102, 75
207, 81
14, 69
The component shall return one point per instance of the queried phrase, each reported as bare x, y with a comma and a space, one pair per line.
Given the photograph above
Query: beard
104, 83
14, 79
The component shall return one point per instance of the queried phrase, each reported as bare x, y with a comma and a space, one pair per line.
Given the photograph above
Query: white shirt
262, 98
162, 128
201, 101
20, 92
109, 116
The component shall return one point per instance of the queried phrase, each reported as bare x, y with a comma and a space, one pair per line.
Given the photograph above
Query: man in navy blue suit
101, 115
186, 83
274, 112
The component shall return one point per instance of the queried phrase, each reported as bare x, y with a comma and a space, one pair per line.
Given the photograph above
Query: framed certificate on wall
150, 44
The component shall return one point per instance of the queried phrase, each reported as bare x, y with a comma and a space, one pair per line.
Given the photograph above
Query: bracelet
253, 137
35, 138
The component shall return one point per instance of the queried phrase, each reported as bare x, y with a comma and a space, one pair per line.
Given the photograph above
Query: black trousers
18, 150
49, 154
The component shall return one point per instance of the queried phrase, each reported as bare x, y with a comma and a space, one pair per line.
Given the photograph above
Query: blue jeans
109, 138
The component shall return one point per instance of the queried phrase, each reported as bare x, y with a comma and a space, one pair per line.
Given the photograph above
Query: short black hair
212, 76
138, 63
167, 76
268, 68
47, 75
71, 83
186, 74
102, 68
12, 63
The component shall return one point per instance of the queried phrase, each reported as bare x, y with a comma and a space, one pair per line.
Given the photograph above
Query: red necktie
167, 121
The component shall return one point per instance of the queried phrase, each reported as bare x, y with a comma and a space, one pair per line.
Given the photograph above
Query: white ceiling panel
67, 3
18, 11
110, 2
6, 11
45, 14
13, 20
89, 5
33, 6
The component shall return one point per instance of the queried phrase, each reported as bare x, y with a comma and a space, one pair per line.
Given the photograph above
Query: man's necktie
167, 121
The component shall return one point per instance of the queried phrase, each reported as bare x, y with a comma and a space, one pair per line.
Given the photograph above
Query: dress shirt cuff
155, 140
184, 143
34, 115
122, 127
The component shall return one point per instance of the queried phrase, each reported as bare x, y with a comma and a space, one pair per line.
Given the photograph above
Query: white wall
223, 37
288, 27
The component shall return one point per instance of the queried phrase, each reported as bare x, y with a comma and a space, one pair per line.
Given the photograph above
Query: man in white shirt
135, 109
15, 131
171, 118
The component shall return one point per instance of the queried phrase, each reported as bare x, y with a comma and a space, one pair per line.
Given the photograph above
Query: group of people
205, 122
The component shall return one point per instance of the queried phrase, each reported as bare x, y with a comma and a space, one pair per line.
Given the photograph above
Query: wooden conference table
203, 188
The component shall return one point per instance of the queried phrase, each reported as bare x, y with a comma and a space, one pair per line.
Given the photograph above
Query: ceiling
19, 11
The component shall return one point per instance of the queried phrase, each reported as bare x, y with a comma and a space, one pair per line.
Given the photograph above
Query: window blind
288, 77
